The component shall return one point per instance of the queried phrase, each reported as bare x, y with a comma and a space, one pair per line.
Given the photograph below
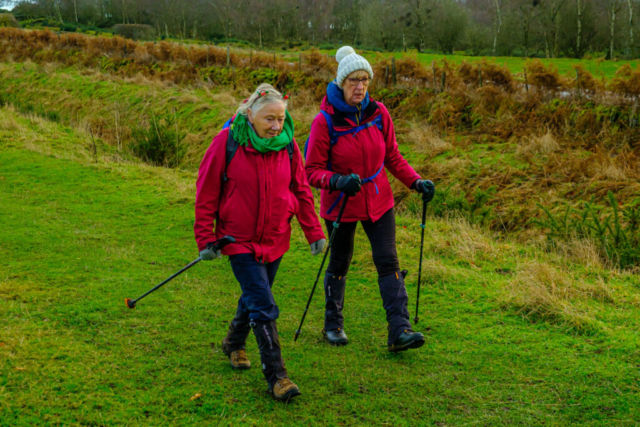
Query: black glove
348, 184
427, 188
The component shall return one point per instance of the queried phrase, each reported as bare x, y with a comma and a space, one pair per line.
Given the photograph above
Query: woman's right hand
350, 185
209, 254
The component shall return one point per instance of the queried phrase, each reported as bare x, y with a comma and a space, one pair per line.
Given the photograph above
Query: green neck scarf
243, 133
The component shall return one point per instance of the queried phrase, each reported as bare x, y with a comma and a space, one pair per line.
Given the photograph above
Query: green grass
599, 68
78, 237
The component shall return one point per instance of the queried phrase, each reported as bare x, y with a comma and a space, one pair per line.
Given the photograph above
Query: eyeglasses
354, 81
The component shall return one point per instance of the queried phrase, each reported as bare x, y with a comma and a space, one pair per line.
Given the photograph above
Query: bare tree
631, 38
497, 26
613, 8
420, 11
551, 25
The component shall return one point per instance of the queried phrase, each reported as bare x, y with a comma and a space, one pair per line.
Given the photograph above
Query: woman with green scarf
250, 185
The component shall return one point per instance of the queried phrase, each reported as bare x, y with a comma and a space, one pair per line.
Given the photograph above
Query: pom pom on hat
344, 51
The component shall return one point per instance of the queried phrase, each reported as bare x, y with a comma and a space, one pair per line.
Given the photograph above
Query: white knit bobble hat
348, 62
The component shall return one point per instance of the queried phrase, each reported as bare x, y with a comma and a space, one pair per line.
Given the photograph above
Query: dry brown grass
542, 291
541, 144
542, 77
425, 140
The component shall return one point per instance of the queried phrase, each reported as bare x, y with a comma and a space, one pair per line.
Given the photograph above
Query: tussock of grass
541, 291
542, 144
425, 140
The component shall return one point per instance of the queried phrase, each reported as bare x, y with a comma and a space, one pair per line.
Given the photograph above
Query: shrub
160, 142
8, 20
135, 31
616, 230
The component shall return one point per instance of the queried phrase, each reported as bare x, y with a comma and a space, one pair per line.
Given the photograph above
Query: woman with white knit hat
352, 142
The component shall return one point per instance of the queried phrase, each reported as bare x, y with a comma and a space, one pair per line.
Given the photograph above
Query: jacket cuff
314, 236
410, 181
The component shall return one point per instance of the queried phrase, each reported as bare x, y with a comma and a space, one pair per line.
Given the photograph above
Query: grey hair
256, 102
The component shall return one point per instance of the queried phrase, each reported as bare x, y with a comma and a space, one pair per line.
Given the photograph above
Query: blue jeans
257, 309
256, 302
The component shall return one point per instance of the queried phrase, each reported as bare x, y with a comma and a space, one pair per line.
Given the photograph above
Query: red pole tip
128, 302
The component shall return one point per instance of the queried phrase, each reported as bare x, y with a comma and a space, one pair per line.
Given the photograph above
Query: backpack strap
333, 135
232, 147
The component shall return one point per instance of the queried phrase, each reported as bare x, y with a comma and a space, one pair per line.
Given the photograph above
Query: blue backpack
232, 147
333, 139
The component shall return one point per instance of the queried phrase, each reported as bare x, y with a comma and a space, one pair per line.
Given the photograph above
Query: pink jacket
362, 154
256, 204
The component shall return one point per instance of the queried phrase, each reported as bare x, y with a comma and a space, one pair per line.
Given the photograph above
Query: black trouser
382, 237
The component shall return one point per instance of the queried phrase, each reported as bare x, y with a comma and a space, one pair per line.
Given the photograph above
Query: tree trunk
546, 44
57, 6
579, 39
631, 41
613, 30
75, 9
556, 38
498, 27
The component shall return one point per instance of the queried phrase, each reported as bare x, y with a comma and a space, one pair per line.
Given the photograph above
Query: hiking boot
334, 287
335, 337
408, 339
237, 359
284, 389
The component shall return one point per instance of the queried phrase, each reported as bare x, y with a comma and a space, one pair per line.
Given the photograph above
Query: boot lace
285, 383
241, 356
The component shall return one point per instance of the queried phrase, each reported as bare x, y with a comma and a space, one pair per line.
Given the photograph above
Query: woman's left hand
318, 247
426, 188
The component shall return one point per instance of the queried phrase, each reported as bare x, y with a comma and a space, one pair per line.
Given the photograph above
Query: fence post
393, 70
228, 56
433, 69
386, 76
444, 80
526, 80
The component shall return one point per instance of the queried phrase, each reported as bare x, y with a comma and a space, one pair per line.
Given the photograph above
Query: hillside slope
81, 233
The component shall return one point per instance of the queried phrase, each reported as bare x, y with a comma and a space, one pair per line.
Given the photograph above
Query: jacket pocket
227, 194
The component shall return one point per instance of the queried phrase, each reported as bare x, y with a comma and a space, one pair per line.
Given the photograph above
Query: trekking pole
336, 224
219, 244
424, 219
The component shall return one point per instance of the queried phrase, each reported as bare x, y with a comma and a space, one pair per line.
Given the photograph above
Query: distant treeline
543, 28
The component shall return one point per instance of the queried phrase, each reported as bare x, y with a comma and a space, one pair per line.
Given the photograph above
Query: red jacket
256, 204
362, 154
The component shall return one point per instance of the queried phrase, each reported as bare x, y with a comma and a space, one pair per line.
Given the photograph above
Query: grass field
598, 67
519, 336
